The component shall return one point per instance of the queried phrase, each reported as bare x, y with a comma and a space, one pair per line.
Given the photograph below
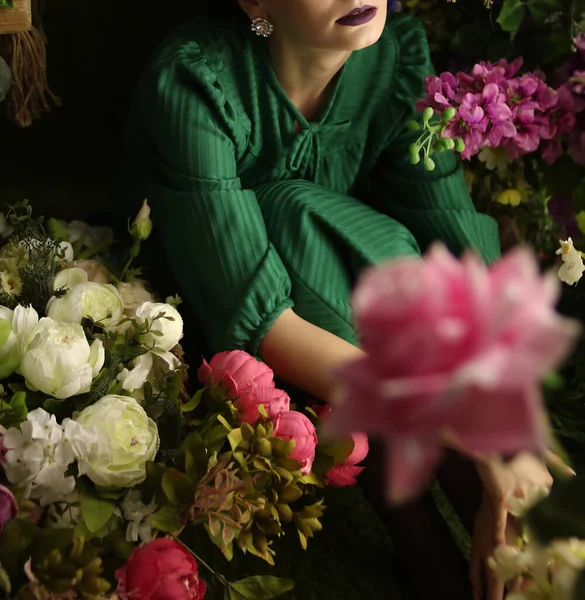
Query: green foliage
13, 412
512, 16
95, 511
258, 588
6, 4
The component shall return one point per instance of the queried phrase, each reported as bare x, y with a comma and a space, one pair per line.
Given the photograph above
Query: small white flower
23, 450
82, 440
136, 378
45, 426
495, 159
137, 514
51, 485
508, 562
67, 251
572, 268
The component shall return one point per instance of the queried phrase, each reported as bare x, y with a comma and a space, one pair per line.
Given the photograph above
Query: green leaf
13, 413
166, 519
96, 512
6, 4
541, 10
511, 16
193, 403
340, 449
261, 587
15, 541
196, 457
224, 422
5, 582
178, 487
560, 515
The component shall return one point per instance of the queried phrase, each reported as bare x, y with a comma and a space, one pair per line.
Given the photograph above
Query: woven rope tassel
25, 53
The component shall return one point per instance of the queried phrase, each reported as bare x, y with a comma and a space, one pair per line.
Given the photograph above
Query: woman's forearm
305, 355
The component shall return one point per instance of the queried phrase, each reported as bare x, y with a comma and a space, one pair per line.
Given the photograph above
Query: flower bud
449, 143
448, 114
429, 163
413, 125
427, 114
142, 225
459, 144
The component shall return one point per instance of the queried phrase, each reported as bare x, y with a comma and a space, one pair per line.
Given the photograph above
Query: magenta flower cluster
572, 76
496, 107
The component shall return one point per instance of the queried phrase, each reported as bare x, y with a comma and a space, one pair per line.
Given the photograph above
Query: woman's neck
305, 74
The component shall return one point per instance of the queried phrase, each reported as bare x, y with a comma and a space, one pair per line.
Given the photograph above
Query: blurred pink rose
275, 402
8, 506
454, 351
235, 373
295, 426
345, 473
96, 272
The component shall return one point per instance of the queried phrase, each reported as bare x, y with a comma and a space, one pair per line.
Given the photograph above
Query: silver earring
262, 27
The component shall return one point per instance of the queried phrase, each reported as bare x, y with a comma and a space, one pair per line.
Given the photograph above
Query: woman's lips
358, 16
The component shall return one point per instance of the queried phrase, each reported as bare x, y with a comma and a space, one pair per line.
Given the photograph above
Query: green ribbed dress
256, 217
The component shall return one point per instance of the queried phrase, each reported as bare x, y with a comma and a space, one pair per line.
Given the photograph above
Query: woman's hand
494, 524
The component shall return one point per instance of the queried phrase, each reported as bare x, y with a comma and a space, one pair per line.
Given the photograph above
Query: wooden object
16, 19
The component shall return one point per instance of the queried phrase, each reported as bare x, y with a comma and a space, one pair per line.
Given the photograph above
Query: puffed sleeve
190, 135
434, 205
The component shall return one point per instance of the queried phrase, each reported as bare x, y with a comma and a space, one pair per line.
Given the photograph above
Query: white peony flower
133, 294
165, 325
137, 514
67, 279
99, 302
58, 360
128, 439
24, 319
572, 268
9, 346
136, 378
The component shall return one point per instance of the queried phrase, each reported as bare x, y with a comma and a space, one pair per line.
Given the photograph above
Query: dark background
66, 162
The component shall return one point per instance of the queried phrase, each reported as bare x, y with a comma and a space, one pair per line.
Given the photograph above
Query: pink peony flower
296, 426
275, 402
8, 506
345, 473
235, 373
455, 351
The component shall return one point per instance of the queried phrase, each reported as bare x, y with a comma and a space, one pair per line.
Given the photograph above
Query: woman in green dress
273, 148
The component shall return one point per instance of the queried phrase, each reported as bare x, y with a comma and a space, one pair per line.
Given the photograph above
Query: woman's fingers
500, 522
556, 463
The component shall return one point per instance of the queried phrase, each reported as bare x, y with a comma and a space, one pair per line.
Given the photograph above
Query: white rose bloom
99, 302
67, 279
58, 360
128, 439
133, 294
165, 331
9, 346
